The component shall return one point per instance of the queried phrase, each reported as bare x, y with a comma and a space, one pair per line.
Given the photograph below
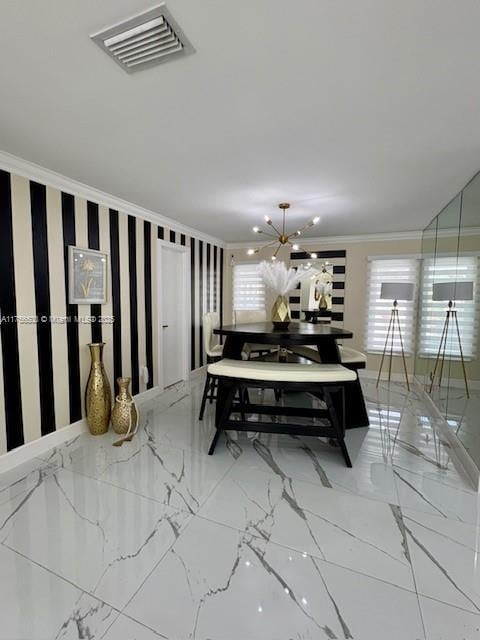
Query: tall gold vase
124, 413
281, 313
98, 395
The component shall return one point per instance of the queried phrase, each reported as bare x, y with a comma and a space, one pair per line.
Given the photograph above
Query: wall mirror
316, 293
448, 338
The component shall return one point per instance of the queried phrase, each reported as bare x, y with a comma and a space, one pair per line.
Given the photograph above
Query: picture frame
87, 276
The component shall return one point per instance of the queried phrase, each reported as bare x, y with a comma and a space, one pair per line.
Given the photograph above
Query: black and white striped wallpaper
338, 259
44, 365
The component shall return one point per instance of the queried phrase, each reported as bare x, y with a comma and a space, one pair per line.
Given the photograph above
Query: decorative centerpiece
281, 280
98, 395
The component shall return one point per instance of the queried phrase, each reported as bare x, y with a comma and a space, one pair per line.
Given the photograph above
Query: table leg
328, 350
233, 347
355, 410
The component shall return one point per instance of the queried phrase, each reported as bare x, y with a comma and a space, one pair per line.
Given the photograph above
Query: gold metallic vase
124, 412
98, 396
281, 313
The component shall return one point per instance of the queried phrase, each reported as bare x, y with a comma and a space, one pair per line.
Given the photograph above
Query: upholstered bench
325, 381
350, 358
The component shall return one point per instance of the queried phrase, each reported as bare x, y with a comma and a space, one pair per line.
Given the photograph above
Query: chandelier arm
265, 246
277, 249
274, 228
265, 233
300, 229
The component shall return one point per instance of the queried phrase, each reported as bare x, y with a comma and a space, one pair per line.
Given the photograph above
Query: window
379, 311
248, 287
433, 312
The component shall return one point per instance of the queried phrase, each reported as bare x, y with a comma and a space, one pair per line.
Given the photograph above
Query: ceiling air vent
148, 39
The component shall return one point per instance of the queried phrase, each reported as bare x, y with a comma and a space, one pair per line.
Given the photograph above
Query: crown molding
326, 240
32, 171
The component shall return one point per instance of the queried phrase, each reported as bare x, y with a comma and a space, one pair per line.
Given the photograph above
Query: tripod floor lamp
450, 291
394, 291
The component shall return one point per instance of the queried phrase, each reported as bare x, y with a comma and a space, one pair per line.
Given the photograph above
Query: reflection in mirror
316, 293
462, 409
447, 361
439, 341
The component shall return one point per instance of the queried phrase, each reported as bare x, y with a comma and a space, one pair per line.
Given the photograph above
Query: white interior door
172, 316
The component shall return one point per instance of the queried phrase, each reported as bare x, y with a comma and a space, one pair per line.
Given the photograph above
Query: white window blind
379, 311
248, 287
433, 312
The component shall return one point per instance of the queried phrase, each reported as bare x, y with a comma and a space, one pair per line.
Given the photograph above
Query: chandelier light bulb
274, 257
256, 229
316, 220
295, 247
250, 252
267, 219
313, 255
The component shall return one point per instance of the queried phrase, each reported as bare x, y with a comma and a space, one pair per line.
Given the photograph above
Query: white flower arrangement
324, 288
276, 276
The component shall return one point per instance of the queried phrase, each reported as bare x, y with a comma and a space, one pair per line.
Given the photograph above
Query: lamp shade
397, 291
452, 291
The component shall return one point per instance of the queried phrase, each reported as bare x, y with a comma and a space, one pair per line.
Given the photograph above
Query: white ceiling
365, 112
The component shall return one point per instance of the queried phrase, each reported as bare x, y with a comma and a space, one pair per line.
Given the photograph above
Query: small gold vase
98, 395
124, 412
281, 313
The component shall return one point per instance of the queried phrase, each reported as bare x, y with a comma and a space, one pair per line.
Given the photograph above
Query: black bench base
333, 394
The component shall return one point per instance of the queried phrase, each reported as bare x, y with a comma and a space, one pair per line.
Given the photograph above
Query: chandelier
282, 238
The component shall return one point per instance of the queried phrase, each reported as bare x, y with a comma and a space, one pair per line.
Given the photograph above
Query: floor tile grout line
235, 463
60, 577
287, 548
142, 624
340, 490
129, 491
91, 593
449, 604
164, 555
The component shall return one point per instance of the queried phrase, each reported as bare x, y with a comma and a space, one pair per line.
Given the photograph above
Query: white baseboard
35, 448
459, 455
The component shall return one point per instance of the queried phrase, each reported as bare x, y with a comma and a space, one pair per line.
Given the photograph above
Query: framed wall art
87, 276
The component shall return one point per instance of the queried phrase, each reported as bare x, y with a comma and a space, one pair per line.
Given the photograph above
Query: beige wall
355, 284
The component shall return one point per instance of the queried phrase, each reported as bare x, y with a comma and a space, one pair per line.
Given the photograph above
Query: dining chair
214, 351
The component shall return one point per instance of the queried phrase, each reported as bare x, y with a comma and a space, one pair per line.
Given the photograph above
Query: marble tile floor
272, 538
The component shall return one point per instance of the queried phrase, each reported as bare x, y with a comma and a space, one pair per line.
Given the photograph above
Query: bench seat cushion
347, 355
281, 371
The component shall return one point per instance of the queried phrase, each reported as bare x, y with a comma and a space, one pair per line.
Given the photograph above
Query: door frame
185, 319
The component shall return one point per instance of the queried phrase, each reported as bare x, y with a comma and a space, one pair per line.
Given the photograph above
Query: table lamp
450, 291
395, 291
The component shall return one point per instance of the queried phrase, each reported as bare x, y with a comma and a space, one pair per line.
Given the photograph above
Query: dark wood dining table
324, 337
